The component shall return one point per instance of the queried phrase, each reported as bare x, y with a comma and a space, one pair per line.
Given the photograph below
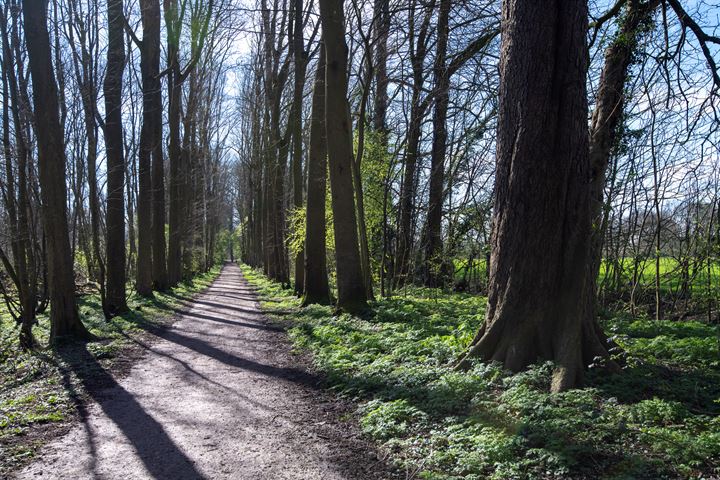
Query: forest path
218, 396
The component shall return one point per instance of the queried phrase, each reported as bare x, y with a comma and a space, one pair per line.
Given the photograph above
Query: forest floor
218, 394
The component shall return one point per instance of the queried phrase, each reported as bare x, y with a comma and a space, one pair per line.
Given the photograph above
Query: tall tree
179, 222
22, 265
418, 108
299, 57
64, 318
151, 52
381, 12
151, 267
541, 241
115, 241
316, 275
352, 296
435, 266
605, 131
433, 250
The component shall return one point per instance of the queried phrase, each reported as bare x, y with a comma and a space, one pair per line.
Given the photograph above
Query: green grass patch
657, 419
42, 386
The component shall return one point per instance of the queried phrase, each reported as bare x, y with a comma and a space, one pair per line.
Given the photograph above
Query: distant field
670, 274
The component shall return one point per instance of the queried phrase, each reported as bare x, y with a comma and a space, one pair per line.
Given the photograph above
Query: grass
40, 390
657, 419
670, 277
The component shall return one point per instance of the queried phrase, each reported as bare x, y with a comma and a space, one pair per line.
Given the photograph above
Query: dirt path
218, 396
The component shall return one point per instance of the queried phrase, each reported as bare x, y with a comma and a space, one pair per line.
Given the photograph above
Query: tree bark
352, 296
176, 210
433, 251
296, 119
115, 240
64, 317
316, 276
540, 245
149, 69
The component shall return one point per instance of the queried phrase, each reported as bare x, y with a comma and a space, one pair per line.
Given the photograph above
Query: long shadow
292, 374
228, 307
191, 370
257, 326
161, 457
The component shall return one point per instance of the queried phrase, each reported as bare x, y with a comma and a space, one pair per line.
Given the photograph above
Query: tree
352, 296
541, 240
64, 318
151, 266
418, 107
295, 120
316, 276
115, 244
23, 262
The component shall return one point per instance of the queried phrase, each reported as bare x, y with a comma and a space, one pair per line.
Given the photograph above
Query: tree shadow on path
160, 455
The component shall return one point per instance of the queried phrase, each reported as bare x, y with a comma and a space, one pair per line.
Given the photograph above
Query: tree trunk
64, 317
296, 119
352, 296
418, 52
604, 127
381, 11
433, 251
149, 67
316, 277
540, 245
115, 241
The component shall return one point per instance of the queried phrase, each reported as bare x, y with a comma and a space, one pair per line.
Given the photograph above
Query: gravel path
217, 396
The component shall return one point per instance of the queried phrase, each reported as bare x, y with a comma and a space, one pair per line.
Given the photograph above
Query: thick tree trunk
433, 250
64, 317
541, 242
316, 276
352, 296
149, 66
115, 241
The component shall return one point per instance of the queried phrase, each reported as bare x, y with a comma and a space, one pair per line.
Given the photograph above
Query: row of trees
403, 108
84, 191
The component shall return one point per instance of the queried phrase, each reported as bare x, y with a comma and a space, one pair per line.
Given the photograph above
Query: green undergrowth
44, 387
656, 419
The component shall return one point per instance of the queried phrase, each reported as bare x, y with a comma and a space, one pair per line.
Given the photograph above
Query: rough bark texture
352, 296
540, 246
64, 318
115, 241
149, 63
316, 276
433, 249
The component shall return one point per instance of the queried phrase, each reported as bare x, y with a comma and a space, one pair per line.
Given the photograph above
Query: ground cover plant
656, 419
42, 390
